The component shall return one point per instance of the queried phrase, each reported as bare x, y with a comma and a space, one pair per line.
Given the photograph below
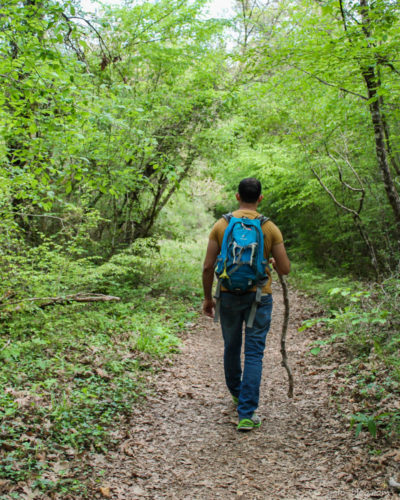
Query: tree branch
357, 221
343, 15
337, 202
347, 91
65, 299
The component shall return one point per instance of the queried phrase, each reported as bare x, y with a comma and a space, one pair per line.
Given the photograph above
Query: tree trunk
377, 116
380, 146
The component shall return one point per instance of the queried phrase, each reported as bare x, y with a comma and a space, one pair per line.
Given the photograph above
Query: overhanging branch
324, 82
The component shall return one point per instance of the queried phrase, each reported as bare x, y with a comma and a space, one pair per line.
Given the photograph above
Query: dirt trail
183, 443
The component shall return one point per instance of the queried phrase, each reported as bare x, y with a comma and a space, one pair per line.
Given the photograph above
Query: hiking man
236, 306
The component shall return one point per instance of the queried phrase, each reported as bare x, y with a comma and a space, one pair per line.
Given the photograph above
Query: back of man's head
249, 190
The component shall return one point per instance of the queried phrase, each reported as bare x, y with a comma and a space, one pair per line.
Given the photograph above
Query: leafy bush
365, 320
69, 372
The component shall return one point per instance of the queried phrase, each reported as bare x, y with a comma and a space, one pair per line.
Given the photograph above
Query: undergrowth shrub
365, 320
70, 372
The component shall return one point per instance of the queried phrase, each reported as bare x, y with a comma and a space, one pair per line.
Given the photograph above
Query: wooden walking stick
283, 334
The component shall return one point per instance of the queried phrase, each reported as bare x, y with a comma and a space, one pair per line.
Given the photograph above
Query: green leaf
372, 427
359, 428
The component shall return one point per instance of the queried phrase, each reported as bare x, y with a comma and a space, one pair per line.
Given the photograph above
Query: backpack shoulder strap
262, 219
228, 217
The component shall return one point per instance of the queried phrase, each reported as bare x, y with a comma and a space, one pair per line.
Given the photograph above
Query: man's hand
209, 307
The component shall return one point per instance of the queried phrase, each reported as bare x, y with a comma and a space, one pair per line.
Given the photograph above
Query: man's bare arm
208, 277
281, 261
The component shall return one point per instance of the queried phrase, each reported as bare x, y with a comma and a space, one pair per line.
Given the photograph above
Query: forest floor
182, 443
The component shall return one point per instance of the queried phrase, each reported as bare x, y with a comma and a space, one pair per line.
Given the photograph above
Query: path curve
183, 444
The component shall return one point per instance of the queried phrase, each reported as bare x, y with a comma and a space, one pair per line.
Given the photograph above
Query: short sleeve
217, 231
272, 236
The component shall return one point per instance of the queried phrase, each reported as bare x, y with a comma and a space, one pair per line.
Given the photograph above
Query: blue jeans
234, 312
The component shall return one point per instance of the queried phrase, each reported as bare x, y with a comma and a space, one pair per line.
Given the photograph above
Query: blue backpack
241, 264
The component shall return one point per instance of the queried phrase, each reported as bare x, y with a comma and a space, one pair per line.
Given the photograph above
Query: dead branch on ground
65, 299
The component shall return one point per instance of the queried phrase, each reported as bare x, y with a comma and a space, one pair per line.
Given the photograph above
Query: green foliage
189, 212
303, 126
364, 323
70, 372
120, 133
362, 421
361, 319
103, 115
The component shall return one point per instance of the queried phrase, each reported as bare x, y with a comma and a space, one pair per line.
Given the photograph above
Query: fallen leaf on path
4, 483
105, 491
61, 466
137, 490
8, 446
101, 373
29, 493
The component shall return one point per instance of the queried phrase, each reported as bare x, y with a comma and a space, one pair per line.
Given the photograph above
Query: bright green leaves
306, 127
315, 350
151, 102
38, 100
363, 421
110, 112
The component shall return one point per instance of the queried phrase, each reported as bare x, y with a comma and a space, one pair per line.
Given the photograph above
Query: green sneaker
248, 424
235, 400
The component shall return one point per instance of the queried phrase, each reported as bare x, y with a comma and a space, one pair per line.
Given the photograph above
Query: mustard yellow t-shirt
272, 236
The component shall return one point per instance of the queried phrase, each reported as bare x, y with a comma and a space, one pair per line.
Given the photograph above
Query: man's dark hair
249, 190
